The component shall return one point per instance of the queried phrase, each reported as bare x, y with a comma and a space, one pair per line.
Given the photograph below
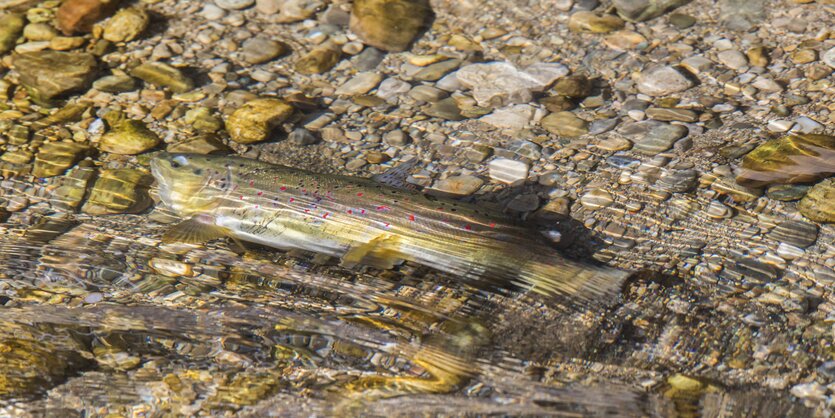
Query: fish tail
557, 276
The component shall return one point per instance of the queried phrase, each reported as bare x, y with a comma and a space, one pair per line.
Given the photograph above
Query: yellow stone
254, 121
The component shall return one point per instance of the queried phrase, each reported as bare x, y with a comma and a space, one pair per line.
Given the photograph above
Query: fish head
191, 184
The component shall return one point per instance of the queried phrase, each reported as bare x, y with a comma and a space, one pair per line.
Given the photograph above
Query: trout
363, 221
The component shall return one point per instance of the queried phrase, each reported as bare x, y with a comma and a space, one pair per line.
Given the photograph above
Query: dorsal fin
397, 176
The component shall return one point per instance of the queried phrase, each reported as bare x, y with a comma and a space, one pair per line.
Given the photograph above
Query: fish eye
179, 161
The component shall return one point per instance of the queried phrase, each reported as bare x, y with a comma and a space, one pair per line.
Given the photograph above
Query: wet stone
302, 137
498, 84
574, 86
202, 144
642, 10
748, 271
436, 71
11, 27
55, 158
672, 114
115, 83
319, 60
798, 233
565, 124
126, 25
661, 81
597, 199
52, 74
742, 15
799, 158
458, 185
787, 192
359, 84
828, 57
163, 75
119, 191
444, 109
585, 21
254, 121
76, 16
260, 50
508, 171
129, 137
682, 21
390, 25
234, 4
679, 181
652, 137
819, 203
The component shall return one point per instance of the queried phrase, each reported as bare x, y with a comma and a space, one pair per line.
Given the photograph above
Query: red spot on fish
388, 225
359, 194
252, 182
350, 212
307, 211
242, 197
383, 207
362, 212
325, 216
292, 199
468, 227
412, 218
282, 188
492, 225
260, 193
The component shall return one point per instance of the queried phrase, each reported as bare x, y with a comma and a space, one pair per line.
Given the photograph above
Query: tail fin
561, 277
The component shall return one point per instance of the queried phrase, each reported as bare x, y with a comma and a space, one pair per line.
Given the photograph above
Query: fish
363, 221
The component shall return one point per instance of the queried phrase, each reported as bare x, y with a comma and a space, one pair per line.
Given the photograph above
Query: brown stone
76, 16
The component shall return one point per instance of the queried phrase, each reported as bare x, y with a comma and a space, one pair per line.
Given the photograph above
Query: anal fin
195, 231
381, 252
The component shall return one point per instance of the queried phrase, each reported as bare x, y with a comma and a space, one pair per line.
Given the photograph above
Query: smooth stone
115, 83
52, 74
498, 84
508, 171
819, 203
11, 27
573, 86
828, 57
510, 117
268, 7
444, 109
557, 103
758, 56
359, 84
163, 75
565, 124
32, 31
202, 119
66, 43
696, 64
212, 12
642, 10
297, 10
234, 4
390, 25
426, 93
795, 158
591, 22
396, 138
733, 59
255, 120
682, 21
671, 114
260, 50
457, 186
813, 391
201, 144
806, 125
624, 40
436, 71
742, 15
679, 181
798, 233
319, 60
55, 158
126, 25
597, 199
523, 203
129, 137
661, 81
302, 137
652, 137
122, 190
369, 59
79, 16
787, 192
392, 88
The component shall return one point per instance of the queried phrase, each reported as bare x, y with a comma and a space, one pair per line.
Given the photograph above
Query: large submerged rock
52, 74
819, 203
390, 25
800, 158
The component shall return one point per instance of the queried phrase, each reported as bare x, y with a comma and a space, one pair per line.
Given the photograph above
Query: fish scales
365, 222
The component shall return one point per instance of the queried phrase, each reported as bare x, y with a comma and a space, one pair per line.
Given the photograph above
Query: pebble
508, 171
55, 158
259, 50
652, 137
360, 83
11, 27
661, 81
795, 158
389, 25
122, 190
392, 88
523, 203
129, 137
696, 64
319, 60
212, 12
643, 10
672, 114
302, 137
79, 16
819, 203
201, 144
733, 59
741, 15
255, 120
268, 7
51, 74
597, 199
234, 4
498, 84
758, 56
426, 93
126, 25
798, 233
444, 109
813, 391
624, 40
297, 10
32, 32
779, 125
594, 23
787, 192
458, 186
116, 83
436, 71
163, 75
510, 117
565, 124
828, 57
396, 138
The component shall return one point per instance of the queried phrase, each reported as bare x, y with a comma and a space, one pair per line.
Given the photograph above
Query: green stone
800, 158
163, 75
129, 137
819, 203
11, 27
594, 23
54, 158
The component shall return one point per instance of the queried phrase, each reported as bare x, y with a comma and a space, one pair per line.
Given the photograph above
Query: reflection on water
100, 318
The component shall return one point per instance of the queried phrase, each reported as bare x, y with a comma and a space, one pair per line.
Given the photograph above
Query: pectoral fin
195, 231
398, 176
381, 252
